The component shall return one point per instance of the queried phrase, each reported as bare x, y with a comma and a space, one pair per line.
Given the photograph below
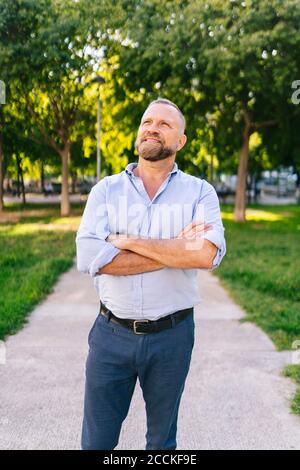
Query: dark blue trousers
117, 357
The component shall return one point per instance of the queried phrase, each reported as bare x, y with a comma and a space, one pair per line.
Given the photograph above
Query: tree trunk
8, 185
1, 173
21, 179
240, 196
65, 200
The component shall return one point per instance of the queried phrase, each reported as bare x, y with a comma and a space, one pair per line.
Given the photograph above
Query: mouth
150, 138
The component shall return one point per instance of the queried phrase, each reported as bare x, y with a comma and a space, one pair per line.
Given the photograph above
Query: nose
153, 127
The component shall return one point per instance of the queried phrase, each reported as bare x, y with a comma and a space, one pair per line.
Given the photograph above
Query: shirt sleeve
93, 252
208, 210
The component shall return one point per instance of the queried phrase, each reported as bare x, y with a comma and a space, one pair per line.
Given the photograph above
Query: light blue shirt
120, 204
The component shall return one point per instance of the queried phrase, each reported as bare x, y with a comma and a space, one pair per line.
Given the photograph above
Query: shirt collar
129, 168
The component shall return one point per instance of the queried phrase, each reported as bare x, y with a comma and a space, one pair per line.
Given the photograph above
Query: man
143, 236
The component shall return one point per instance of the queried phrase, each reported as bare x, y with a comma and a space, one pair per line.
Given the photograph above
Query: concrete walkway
235, 396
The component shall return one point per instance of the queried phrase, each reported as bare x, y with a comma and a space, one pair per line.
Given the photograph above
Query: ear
182, 142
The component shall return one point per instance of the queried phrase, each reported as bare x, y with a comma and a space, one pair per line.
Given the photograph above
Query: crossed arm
187, 251
127, 262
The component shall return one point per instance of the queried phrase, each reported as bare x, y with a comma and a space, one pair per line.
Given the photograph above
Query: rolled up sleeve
93, 252
208, 209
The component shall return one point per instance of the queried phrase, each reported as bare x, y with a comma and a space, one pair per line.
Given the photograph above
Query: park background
233, 67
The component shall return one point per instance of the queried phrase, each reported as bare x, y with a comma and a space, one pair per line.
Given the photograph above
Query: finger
201, 232
193, 226
199, 226
203, 228
190, 225
197, 232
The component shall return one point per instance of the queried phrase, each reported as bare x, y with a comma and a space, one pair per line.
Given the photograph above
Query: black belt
147, 326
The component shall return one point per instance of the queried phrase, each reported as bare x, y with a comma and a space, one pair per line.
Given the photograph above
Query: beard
154, 151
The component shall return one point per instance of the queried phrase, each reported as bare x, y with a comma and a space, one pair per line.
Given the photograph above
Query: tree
19, 21
247, 50
48, 51
233, 61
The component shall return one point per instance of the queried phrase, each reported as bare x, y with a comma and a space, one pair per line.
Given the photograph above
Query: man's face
160, 133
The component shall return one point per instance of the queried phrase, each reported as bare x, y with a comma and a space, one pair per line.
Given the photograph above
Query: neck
154, 170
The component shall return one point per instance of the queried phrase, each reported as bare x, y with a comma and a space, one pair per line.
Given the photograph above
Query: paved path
235, 396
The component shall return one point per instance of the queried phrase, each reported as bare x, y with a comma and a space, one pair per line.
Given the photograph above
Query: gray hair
160, 100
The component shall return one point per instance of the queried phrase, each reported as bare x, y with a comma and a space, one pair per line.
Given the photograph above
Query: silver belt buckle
134, 326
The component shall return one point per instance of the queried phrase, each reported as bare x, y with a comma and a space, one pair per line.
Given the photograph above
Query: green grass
33, 253
50, 206
262, 271
293, 371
